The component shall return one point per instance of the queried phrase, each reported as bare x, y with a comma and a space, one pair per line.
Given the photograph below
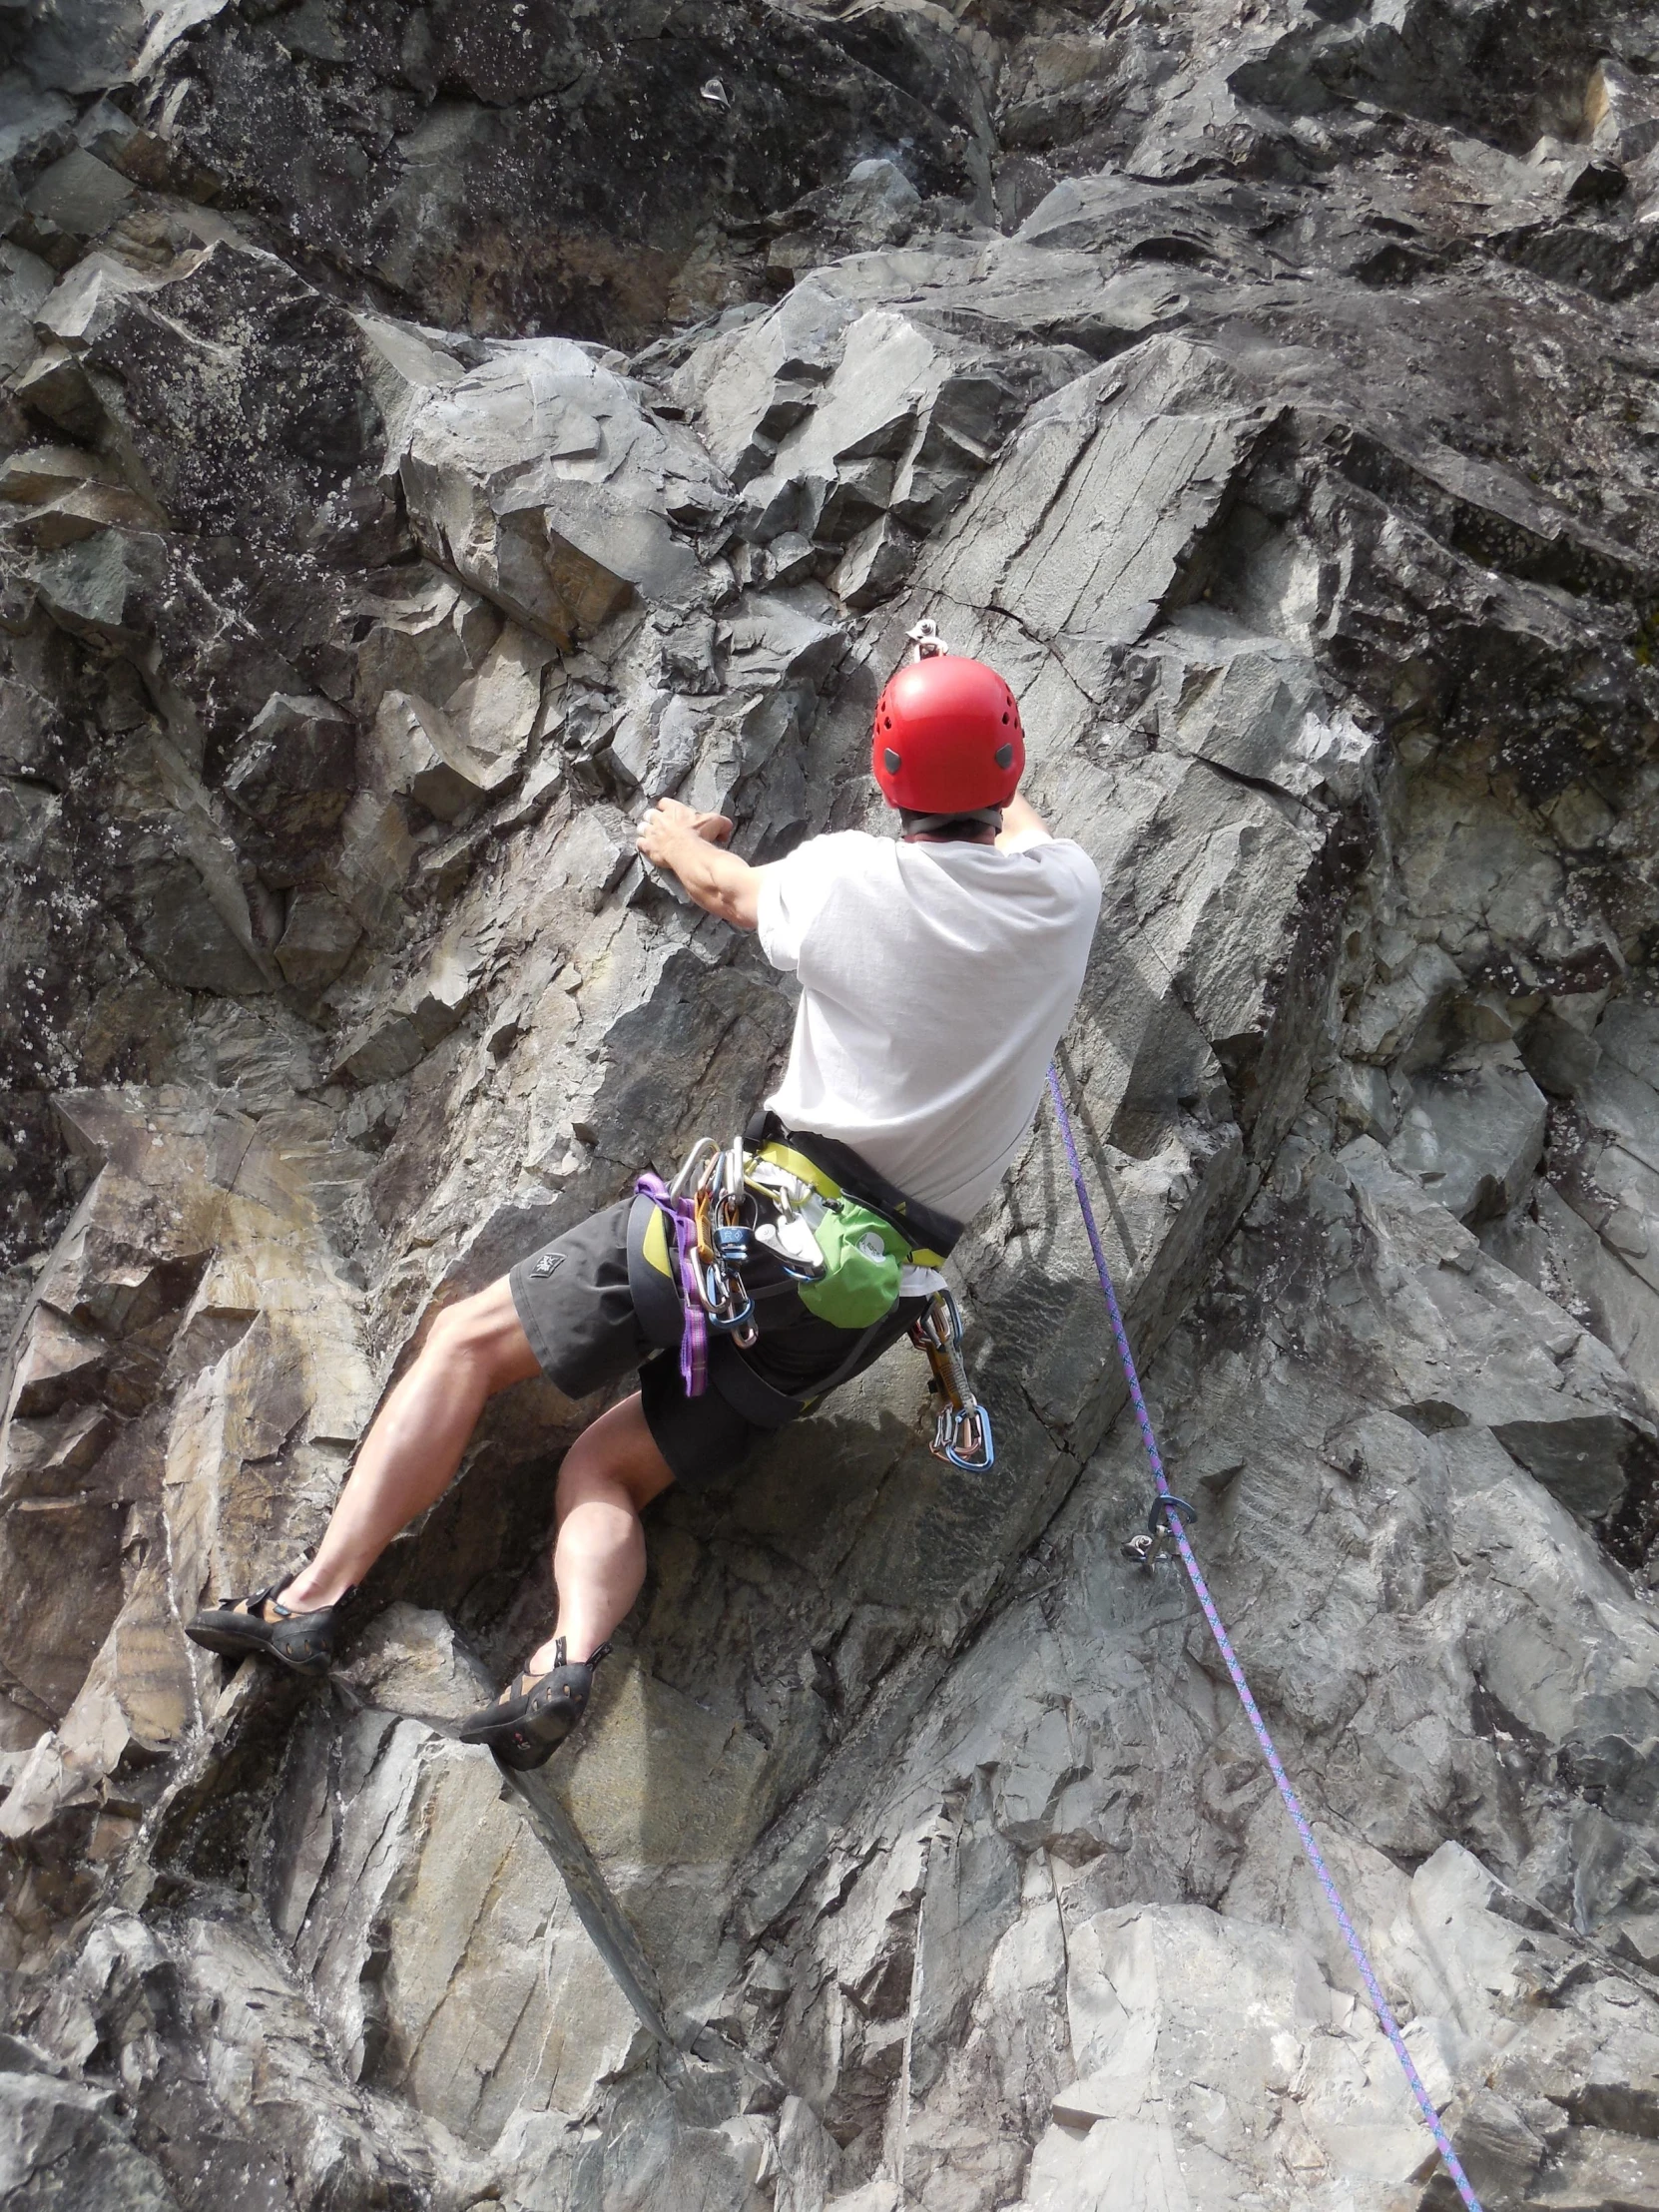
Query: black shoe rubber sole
520, 1735
521, 1742
236, 1643
518, 1753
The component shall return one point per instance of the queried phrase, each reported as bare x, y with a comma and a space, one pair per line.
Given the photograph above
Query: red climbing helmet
948, 737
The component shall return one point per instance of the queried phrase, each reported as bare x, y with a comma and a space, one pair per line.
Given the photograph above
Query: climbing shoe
535, 1712
260, 1625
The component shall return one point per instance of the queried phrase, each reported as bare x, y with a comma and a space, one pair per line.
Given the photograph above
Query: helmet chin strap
989, 816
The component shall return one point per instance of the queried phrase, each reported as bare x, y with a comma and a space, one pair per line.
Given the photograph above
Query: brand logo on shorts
548, 1263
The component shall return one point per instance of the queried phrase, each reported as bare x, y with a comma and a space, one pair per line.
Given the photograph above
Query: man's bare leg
410, 1456
610, 1474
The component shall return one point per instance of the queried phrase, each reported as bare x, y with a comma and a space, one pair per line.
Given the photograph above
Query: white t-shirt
936, 980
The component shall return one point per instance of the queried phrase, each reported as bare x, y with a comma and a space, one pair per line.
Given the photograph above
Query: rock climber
937, 972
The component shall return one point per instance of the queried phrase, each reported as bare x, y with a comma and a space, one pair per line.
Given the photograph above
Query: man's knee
483, 1337
614, 1459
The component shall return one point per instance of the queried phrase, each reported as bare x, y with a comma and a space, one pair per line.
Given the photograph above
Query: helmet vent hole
1005, 717
892, 760
1004, 753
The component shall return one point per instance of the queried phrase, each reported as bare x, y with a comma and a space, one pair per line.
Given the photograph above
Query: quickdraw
1166, 1519
962, 1433
714, 1175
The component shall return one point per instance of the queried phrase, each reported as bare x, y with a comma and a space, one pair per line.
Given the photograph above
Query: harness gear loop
671, 1201
1172, 1508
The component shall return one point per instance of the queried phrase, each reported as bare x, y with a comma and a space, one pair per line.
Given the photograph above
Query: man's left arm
689, 846
1020, 819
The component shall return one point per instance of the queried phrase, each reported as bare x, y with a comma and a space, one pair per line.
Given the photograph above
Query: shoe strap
288, 1612
272, 1596
561, 1658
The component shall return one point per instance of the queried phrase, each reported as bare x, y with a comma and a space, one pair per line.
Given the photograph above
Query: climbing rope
1169, 1510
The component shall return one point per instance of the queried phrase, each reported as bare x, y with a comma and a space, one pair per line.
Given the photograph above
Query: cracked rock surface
427, 432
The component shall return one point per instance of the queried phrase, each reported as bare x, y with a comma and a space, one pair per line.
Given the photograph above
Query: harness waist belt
833, 1169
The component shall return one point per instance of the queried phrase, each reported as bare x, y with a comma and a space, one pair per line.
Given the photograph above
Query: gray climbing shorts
576, 1308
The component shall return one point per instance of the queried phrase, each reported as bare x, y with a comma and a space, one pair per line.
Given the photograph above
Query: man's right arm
1020, 818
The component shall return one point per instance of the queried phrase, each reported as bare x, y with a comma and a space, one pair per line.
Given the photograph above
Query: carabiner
691, 1166
1163, 1527
938, 1328
721, 1299
733, 1177
972, 1421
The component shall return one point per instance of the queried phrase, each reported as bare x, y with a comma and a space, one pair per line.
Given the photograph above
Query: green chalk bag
862, 1255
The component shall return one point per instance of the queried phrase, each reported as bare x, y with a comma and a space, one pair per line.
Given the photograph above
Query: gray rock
154, 355
60, 2147
318, 939
905, 421
545, 134
1474, 1138
1288, 448
540, 480
417, 755
293, 778
1622, 115
26, 282
83, 48
874, 565
404, 1029
80, 194
754, 384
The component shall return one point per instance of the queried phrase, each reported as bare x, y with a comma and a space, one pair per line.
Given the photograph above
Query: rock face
430, 430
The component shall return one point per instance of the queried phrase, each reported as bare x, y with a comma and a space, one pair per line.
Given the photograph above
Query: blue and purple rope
1223, 1644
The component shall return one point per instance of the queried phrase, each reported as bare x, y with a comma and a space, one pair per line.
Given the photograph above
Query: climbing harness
1171, 1514
846, 1246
